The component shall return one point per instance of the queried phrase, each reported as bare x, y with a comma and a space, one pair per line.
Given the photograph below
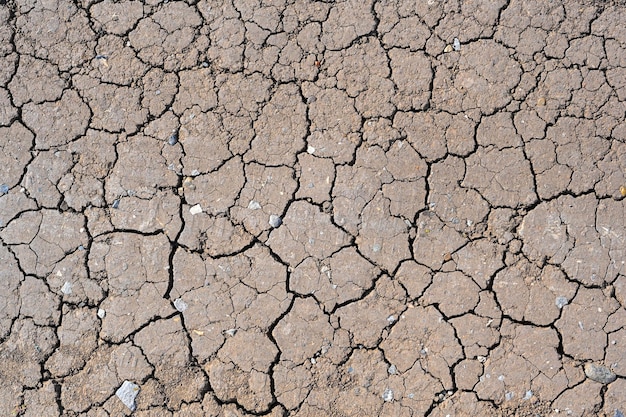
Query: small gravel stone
4, 189
618, 413
561, 302
66, 288
180, 305
275, 221
173, 139
254, 205
310, 150
392, 370
197, 209
101, 313
599, 373
127, 393
116, 204
456, 44
388, 395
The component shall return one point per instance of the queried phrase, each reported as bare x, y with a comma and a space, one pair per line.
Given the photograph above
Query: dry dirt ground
311, 208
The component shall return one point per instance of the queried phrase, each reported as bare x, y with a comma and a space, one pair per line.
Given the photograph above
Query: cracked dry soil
302, 208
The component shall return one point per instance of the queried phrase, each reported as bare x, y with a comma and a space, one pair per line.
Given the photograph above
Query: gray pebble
388, 395
116, 204
4, 189
392, 370
561, 302
275, 221
173, 139
618, 413
599, 373
127, 392
66, 288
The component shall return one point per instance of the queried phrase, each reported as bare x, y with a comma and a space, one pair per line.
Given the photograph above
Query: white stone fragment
195, 209
127, 393
67, 288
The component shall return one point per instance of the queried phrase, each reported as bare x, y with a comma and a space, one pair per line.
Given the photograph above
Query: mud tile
292, 384
611, 225
467, 373
38, 302
7, 112
217, 191
212, 235
136, 271
347, 21
66, 43
159, 90
78, 336
164, 342
102, 375
10, 277
117, 63
35, 80
401, 31
502, 177
382, 238
13, 158
498, 130
303, 331
411, 72
418, 125
280, 130
43, 174
149, 170
201, 154
459, 207
24, 351
236, 350
266, 192
356, 185
251, 390
316, 178
117, 18
581, 400
454, 293
56, 123
414, 278
346, 276
434, 240
480, 259
158, 214
613, 398
613, 166
582, 324
71, 280
544, 234
306, 231
465, 89
366, 319
527, 293
41, 401
114, 109
423, 338
334, 124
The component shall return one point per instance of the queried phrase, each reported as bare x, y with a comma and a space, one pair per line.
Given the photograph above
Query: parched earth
311, 208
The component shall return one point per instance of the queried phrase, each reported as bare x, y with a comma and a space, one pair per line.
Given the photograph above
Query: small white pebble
180, 305
67, 288
388, 395
197, 209
310, 149
101, 313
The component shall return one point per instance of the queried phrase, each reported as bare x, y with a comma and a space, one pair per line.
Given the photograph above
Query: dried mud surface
307, 208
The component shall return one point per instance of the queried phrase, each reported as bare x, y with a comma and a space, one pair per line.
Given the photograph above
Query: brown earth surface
312, 208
